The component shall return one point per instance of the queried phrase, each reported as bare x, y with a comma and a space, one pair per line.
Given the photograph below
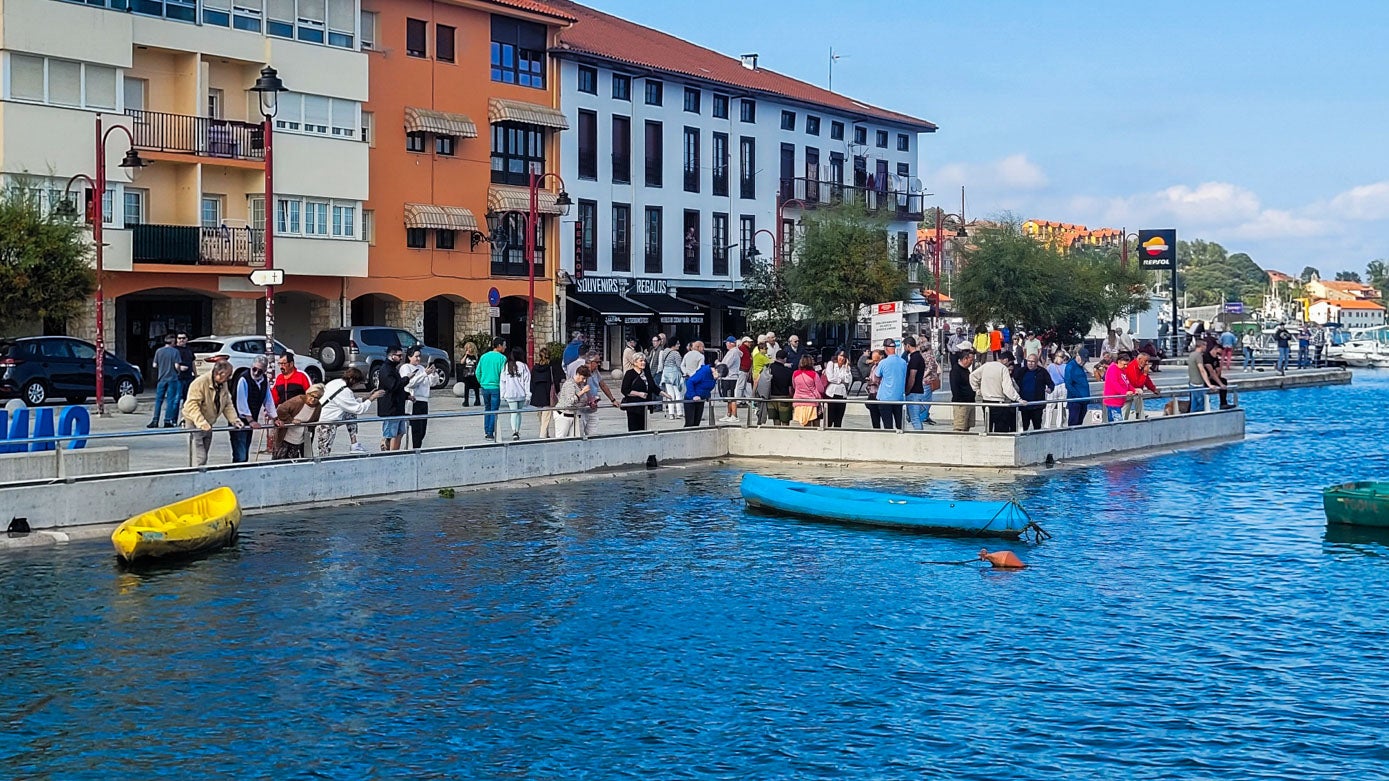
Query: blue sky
1258, 125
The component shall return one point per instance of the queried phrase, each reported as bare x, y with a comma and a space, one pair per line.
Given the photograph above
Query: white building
1350, 314
677, 160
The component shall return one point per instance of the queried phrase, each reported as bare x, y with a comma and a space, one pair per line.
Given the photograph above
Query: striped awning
449, 218
503, 110
423, 120
502, 198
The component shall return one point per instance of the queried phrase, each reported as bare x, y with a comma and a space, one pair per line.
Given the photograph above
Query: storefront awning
611, 305
503, 110
449, 218
669, 309
504, 198
423, 120
714, 298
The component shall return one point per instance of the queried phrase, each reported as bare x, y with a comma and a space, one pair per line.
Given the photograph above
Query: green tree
1308, 274
1013, 279
44, 269
770, 307
1208, 274
1347, 276
844, 263
1377, 273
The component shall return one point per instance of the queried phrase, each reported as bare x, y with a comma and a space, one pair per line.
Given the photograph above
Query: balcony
228, 139
186, 245
886, 203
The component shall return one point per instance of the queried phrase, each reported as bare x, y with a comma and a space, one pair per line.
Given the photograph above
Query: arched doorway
372, 309
511, 321
441, 326
143, 318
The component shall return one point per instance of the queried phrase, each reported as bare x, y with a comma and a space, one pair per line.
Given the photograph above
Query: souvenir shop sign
621, 286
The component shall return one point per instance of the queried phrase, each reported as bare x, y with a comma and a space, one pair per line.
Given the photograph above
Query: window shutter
26, 77
64, 83
101, 87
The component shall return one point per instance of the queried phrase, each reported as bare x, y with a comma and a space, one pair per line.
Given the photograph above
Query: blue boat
876, 508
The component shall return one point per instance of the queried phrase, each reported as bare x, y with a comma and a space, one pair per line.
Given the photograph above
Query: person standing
700, 388
514, 387
1217, 377
794, 351
982, 340
289, 382
208, 399
588, 417
1196, 377
489, 376
418, 380
630, 353
391, 404
341, 408
744, 387
996, 341
871, 382
293, 418
838, 378
993, 384
1284, 340
1304, 343
728, 386
672, 379
1032, 345
779, 390
1055, 416
930, 383
1117, 389
186, 363
915, 383
468, 372
1250, 343
892, 371
807, 386
1034, 383
573, 401
637, 390
1229, 341
168, 391
574, 350
1077, 388
253, 408
547, 378
694, 358
962, 391
1318, 344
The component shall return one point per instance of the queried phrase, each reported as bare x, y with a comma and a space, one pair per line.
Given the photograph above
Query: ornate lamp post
268, 87
131, 162
563, 202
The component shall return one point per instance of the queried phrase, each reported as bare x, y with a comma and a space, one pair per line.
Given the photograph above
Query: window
444, 145
788, 240
588, 144
414, 238
622, 149
654, 155
369, 226
719, 241
837, 169
133, 207
901, 246
214, 103
747, 240
812, 174
289, 216
861, 136
747, 110
342, 23
255, 211
414, 142
415, 32
314, 114
653, 240
904, 169
368, 30
692, 100
317, 111
135, 91
622, 87
812, 125
747, 167
443, 43
509, 257
518, 52
787, 173
345, 221
720, 164
368, 128
211, 216
315, 218
720, 107
444, 239
837, 131
691, 159
655, 92
860, 171
517, 151
788, 120
588, 236
309, 26
588, 80
622, 231
880, 139
904, 143
62, 82
691, 242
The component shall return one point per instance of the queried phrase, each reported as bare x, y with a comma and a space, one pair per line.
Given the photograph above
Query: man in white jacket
993, 384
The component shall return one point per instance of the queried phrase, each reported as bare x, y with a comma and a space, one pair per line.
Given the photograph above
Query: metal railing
190, 245
815, 193
157, 131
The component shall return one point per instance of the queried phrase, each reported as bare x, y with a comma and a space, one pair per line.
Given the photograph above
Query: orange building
464, 104
1065, 235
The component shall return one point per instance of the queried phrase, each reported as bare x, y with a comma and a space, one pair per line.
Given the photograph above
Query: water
1190, 619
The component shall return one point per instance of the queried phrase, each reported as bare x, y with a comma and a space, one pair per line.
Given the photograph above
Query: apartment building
440, 70
682, 161
183, 234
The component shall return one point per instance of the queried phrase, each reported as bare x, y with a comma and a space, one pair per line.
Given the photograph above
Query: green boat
1357, 504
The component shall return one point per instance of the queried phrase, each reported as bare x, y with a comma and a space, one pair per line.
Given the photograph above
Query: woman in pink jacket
1117, 387
806, 383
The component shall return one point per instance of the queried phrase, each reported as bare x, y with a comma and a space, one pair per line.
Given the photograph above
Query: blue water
1191, 618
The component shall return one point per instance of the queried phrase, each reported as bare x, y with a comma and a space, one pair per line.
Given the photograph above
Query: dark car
365, 347
39, 368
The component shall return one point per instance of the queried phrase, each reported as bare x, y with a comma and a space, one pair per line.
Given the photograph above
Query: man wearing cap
993, 383
962, 390
728, 386
744, 387
629, 354
915, 385
893, 372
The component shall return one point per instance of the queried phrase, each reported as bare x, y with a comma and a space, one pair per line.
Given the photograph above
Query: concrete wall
1128, 436
21, 467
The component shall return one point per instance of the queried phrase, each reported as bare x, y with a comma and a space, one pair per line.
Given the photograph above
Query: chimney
750, 61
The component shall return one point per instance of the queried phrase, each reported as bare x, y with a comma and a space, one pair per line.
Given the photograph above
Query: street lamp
132, 162
780, 210
563, 202
268, 88
939, 245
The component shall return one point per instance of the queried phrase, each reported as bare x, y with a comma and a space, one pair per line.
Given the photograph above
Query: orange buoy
1003, 559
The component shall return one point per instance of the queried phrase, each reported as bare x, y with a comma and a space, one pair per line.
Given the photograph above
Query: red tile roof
1352, 304
607, 37
545, 9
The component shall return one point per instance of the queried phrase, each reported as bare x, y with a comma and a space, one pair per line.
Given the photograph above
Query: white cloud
1014, 172
1366, 202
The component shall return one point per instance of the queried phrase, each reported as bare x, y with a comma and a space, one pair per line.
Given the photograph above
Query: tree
1377, 273
1208, 274
843, 264
44, 269
1347, 276
1308, 274
1009, 278
770, 307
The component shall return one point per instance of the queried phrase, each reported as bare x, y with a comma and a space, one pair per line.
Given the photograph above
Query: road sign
1234, 307
268, 277
494, 297
1157, 249
494, 311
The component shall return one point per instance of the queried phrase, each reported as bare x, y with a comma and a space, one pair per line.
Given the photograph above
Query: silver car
240, 351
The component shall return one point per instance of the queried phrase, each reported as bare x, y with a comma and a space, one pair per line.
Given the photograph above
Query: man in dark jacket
1077, 388
392, 404
779, 408
1034, 382
961, 392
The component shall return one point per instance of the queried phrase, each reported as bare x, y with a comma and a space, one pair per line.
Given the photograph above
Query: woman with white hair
293, 418
672, 379
1055, 415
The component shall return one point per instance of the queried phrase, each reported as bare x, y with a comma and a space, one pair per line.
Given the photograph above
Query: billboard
1157, 249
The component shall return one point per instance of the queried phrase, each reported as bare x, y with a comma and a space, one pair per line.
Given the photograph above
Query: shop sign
620, 320
621, 286
683, 319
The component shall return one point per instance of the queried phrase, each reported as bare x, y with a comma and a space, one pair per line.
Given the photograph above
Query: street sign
886, 322
268, 277
1234, 307
494, 297
1157, 249
494, 311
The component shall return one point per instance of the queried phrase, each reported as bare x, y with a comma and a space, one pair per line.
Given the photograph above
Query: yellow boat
200, 523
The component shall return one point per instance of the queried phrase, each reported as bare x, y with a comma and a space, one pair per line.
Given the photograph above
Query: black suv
39, 368
365, 346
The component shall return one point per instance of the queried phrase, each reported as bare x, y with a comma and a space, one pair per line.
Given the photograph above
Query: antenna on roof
833, 59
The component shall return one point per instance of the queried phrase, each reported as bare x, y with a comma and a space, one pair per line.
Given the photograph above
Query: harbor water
1192, 617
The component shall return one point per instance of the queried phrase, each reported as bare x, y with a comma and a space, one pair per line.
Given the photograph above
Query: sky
1259, 125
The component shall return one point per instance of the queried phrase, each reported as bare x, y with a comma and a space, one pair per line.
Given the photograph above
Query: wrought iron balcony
183, 134
188, 245
894, 205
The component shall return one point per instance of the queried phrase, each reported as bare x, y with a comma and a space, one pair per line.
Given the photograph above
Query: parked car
365, 346
240, 351
38, 368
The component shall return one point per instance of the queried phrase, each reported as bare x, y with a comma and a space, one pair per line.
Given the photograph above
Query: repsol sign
73, 422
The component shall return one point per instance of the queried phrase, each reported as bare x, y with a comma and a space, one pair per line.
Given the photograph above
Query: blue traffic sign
494, 297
